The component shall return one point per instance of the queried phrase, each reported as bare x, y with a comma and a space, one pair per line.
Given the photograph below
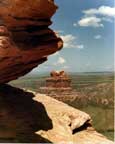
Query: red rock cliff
25, 39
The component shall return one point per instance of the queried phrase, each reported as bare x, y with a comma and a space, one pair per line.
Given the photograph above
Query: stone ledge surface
27, 117
69, 124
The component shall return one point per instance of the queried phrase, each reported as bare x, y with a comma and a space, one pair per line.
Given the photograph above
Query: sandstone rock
58, 86
29, 118
25, 39
69, 125
59, 74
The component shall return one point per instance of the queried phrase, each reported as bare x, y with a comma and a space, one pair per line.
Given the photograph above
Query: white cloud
94, 17
97, 37
92, 21
60, 61
68, 38
103, 10
80, 46
70, 42
107, 19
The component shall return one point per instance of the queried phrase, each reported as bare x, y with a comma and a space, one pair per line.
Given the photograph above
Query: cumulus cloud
107, 19
60, 61
70, 42
80, 46
68, 38
97, 37
92, 21
94, 17
103, 10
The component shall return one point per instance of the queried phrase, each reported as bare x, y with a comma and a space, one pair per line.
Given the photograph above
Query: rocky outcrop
58, 80
58, 86
25, 39
69, 124
26, 117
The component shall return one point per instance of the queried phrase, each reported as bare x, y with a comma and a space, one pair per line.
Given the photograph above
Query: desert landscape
57, 106
96, 96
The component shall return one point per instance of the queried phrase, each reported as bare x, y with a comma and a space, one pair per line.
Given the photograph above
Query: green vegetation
97, 97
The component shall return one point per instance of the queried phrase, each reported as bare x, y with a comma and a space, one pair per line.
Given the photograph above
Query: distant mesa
58, 86
58, 80
59, 74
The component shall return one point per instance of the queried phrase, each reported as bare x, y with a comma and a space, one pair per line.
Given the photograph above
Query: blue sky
87, 29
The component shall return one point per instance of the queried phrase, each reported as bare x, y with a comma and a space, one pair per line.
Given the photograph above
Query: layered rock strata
25, 39
58, 86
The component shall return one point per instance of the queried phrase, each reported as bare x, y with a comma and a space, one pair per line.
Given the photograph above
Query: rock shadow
21, 117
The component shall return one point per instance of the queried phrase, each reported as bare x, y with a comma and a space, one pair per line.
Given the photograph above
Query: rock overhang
25, 37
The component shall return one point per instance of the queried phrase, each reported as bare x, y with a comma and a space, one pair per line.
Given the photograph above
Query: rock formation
25, 39
58, 86
59, 74
58, 80
26, 117
25, 42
